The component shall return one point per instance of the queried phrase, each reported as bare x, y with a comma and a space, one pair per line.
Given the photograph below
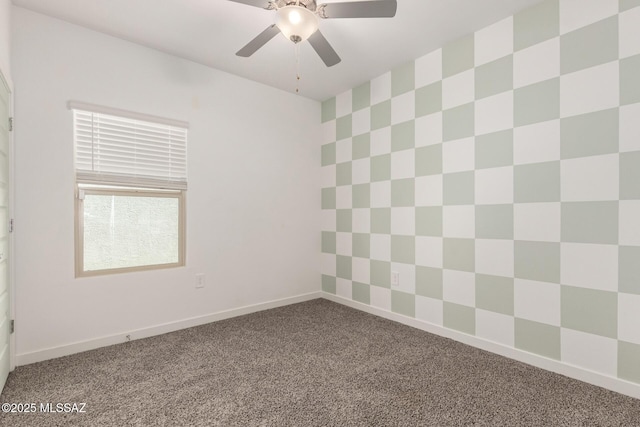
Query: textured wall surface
500, 178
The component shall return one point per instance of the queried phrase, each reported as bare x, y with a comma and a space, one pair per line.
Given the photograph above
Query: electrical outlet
200, 280
395, 278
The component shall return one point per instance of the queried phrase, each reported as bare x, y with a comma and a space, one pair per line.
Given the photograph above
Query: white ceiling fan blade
259, 41
264, 4
360, 9
324, 49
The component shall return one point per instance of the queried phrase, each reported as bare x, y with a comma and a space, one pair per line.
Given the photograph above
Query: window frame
82, 190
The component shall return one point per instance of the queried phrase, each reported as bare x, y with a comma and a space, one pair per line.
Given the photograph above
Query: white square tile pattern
589, 266
537, 301
589, 351
429, 310
536, 143
494, 113
403, 221
537, 221
494, 41
429, 251
458, 89
576, 14
592, 89
459, 221
537, 63
495, 327
459, 287
403, 108
590, 178
494, 257
429, 130
629, 318
458, 155
494, 186
429, 68
629, 24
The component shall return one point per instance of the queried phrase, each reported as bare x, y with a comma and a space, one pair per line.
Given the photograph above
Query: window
131, 180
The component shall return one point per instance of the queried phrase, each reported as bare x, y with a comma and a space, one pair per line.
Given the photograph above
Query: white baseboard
78, 347
611, 383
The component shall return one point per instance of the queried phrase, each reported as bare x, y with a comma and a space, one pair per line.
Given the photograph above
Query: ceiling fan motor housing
307, 4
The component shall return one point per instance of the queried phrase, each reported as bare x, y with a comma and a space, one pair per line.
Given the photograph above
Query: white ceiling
209, 32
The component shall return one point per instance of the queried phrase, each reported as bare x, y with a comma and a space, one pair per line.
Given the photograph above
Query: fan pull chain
297, 48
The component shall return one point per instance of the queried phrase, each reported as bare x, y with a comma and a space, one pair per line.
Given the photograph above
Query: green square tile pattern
630, 176
343, 267
590, 134
589, 46
403, 136
380, 168
538, 261
344, 220
437, 179
628, 366
536, 103
344, 126
429, 221
536, 24
458, 56
628, 4
328, 154
381, 220
328, 109
381, 115
343, 173
361, 292
629, 269
629, 82
328, 242
459, 317
494, 77
361, 97
403, 79
429, 282
458, 122
403, 249
361, 196
328, 284
360, 245
494, 150
589, 310
459, 254
494, 293
403, 303
494, 222
380, 273
361, 146
537, 182
459, 188
403, 192
428, 160
429, 99
328, 198
537, 338
590, 222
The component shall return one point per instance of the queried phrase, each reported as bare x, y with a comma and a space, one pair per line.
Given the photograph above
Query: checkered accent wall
500, 178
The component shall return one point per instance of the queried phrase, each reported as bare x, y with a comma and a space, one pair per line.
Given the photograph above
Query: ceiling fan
298, 21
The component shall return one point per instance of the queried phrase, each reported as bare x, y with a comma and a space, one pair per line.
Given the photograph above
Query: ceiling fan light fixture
296, 22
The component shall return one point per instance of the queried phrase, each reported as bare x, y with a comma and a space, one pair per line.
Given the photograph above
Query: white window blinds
115, 150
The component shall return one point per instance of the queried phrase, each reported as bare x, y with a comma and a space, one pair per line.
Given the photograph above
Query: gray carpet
311, 364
